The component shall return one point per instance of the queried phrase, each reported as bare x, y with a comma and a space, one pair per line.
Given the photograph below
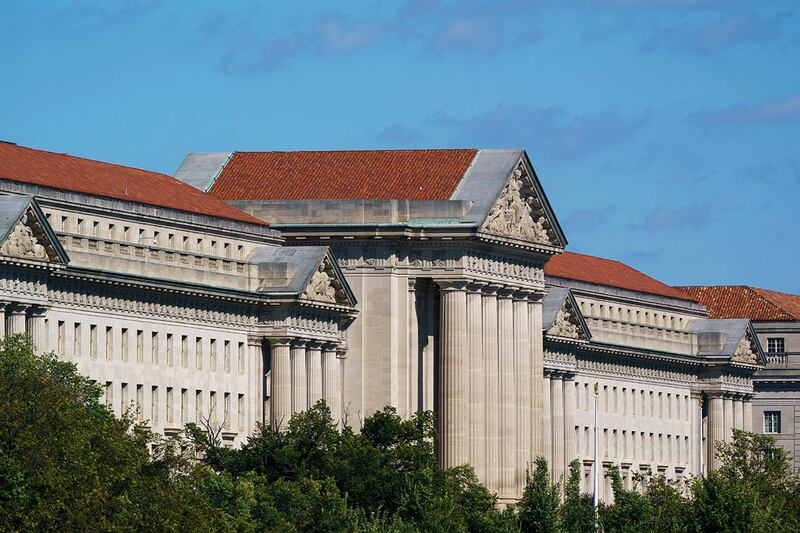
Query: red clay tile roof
343, 175
746, 302
590, 269
75, 174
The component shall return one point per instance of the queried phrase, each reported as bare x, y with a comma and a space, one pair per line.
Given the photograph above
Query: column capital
506, 293
446, 285
521, 294
475, 286
330, 347
279, 341
490, 289
298, 343
412, 284
38, 310
314, 345
16, 308
254, 340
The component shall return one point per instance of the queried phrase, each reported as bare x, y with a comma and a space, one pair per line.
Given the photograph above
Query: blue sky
666, 132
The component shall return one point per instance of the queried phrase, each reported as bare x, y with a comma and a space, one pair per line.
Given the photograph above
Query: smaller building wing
561, 316
733, 339
25, 232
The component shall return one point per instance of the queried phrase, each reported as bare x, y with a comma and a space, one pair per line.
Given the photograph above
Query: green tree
576, 513
539, 506
631, 511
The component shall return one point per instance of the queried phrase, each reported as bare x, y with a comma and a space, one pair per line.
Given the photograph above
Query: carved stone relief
21, 242
517, 212
565, 324
324, 287
744, 352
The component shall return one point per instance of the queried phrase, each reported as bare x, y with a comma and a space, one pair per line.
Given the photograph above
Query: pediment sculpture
320, 288
21, 242
563, 326
744, 352
515, 215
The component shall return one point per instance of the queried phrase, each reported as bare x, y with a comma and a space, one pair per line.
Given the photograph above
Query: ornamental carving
564, 324
517, 213
22, 243
744, 352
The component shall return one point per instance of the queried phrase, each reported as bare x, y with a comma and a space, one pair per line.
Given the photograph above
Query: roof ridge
355, 151
83, 158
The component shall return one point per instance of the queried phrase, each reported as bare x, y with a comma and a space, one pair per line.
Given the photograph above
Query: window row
179, 407
150, 347
634, 446
631, 315
635, 402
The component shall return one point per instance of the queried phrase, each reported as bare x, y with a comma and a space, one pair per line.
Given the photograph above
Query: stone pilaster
716, 429
298, 358
332, 382
256, 372
738, 414
570, 446
537, 377
15, 318
523, 384
728, 406
414, 382
747, 408
547, 422
454, 383
507, 429
37, 329
492, 398
314, 372
3, 306
476, 373
281, 376
557, 408
695, 435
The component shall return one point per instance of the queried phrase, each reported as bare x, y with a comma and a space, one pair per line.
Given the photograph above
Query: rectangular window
184, 405
226, 249
170, 349
198, 352
241, 412
775, 345
170, 407
226, 411
154, 348
212, 409
142, 237
772, 421
64, 223
154, 404
80, 225
171, 240
126, 233
123, 400
227, 356
62, 343
241, 358
109, 343
109, 395
139, 346
184, 351
198, 406
111, 231
212, 361
156, 236
124, 344
240, 251
139, 401
186, 243
96, 228
93, 341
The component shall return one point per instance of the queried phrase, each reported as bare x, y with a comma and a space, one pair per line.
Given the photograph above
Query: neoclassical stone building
257, 283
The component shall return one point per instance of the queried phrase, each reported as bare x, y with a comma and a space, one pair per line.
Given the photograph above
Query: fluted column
15, 319
747, 408
492, 398
3, 307
738, 414
314, 372
430, 351
695, 432
332, 382
537, 377
281, 389
522, 374
507, 393
256, 371
570, 451
557, 408
414, 382
728, 406
547, 425
716, 429
454, 382
37, 329
476, 373
298, 357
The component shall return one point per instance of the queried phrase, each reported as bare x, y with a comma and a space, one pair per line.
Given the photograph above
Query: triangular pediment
520, 212
326, 285
26, 233
746, 351
568, 323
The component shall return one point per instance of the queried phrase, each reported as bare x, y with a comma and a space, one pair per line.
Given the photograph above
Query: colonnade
490, 403
726, 412
303, 372
16, 317
559, 421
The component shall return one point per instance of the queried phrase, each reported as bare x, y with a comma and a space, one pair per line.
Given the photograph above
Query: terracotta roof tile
608, 272
739, 301
343, 175
96, 178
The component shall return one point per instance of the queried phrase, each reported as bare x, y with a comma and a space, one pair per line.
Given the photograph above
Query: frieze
24, 283
640, 370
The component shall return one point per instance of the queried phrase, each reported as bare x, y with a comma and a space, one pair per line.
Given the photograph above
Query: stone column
523, 385
738, 413
728, 406
454, 383
716, 429
298, 357
507, 428
281, 376
696, 437
37, 329
570, 450
15, 318
492, 398
3, 306
414, 382
332, 382
547, 422
537, 377
477, 374
747, 408
557, 407
314, 372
